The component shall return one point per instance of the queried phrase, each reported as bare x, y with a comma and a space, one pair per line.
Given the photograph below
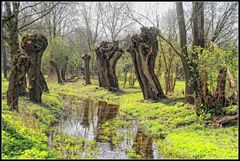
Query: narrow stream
82, 118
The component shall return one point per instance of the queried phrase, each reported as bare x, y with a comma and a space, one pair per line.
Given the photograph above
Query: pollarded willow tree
143, 51
87, 58
34, 46
108, 54
17, 75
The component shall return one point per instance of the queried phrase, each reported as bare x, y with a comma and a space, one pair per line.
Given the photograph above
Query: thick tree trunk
232, 82
34, 46
44, 83
14, 47
87, 59
108, 54
143, 51
132, 78
221, 84
4, 62
20, 64
11, 26
64, 69
22, 88
209, 101
204, 92
189, 90
184, 58
199, 84
159, 67
55, 66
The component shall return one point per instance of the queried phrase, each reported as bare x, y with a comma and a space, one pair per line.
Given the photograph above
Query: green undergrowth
74, 147
173, 122
197, 141
109, 131
180, 133
24, 132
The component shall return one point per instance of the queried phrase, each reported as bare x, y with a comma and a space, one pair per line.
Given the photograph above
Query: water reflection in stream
83, 118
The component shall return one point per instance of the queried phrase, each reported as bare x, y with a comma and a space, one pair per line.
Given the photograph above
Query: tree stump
143, 51
87, 58
108, 54
34, 46
16, 79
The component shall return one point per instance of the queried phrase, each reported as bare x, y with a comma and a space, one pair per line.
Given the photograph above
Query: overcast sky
150, 9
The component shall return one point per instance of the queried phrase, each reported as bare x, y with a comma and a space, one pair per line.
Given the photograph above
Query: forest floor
179, 133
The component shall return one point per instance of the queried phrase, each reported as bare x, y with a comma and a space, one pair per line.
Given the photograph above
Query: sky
150, 9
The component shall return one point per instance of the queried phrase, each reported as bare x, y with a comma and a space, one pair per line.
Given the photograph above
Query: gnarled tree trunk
209, 101
87, 58
16, 78
34, 46
143, 51
55, 66
108, 54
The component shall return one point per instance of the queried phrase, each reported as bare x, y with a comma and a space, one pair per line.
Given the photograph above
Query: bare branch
38, 17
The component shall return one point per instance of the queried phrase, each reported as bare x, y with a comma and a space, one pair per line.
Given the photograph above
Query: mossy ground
24, 133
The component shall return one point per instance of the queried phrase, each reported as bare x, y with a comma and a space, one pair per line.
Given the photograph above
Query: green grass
201, 142
180, 133
24, 132
185, 134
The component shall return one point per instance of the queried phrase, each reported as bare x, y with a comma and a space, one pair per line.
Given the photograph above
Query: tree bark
34, 46
220, 90
50, 68
4, 62
184, 57
108, 54
55, 66
11, 26
132, 78
16, 78
87, 58
232, 82
174, 79
198, 41
44, 83
64, 69
143, 51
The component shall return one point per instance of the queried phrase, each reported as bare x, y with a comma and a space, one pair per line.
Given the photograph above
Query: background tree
143, 49
87, 59
108, 54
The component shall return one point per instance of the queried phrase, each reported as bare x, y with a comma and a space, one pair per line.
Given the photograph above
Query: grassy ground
24, 134
185, 134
